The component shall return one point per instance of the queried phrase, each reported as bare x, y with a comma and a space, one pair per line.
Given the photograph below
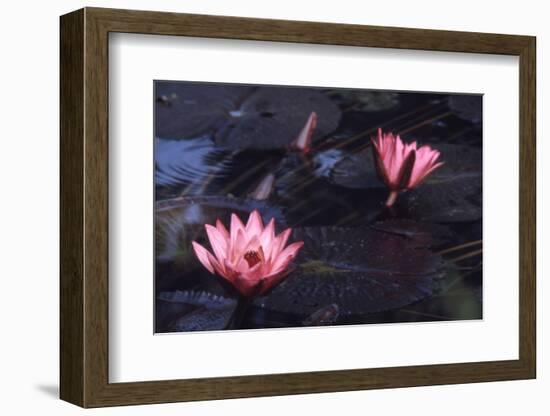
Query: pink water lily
402, 166
302, 142
250, 257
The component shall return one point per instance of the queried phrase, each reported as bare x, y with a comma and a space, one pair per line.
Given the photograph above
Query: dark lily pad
179, 221
360, 269
325, 204
452, 193
468, 107
185, 110
427, 234
327, 315
192, 311
456, 200
356, 171
464, 161
242, 117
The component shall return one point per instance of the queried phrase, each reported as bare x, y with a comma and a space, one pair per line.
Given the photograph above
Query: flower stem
391, 198
237, 318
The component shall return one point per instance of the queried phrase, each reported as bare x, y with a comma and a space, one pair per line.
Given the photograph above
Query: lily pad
452, 193
356, 171
427, 234
456, 200
327, 315
242, 117
362, 270
464, 161
326, 204
192, 311
185, 110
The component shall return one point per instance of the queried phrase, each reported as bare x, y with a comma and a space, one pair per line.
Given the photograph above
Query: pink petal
247, 287
400, 149
272, 280
379, 161
376, 145
218, 267
236, 226
425, 174
278, 245
303, 140
202, 255
238, 246
426, 156
380, 137
221, 228
230, 270
264, 188
253, 244
391, 158
287, 255
253, 273
218, 242
435, 156
267, 236
254, 226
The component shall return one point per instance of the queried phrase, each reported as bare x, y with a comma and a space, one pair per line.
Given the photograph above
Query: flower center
252, 258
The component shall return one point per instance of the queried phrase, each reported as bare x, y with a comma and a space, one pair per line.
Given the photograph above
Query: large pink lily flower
250, 257
402, 166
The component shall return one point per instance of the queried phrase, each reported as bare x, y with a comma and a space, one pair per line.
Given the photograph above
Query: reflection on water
189, 162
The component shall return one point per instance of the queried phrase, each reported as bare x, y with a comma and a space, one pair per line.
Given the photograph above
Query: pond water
420, 260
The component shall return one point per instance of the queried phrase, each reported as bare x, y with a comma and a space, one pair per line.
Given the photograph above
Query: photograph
292, 206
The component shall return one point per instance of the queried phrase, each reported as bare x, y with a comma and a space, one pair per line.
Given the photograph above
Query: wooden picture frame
84, 207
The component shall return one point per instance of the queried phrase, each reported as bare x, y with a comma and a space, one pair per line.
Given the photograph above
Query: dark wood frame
84, 208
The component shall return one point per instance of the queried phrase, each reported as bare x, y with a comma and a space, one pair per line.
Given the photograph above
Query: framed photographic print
258, 207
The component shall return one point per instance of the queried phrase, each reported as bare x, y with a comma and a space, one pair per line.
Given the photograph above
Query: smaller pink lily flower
250, 257
402, 166
302, 142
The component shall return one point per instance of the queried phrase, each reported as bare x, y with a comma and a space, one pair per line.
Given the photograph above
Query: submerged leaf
362, 270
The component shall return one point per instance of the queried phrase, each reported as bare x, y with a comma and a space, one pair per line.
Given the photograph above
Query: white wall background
29, 210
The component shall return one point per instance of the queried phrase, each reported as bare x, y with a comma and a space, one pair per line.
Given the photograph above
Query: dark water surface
362, 263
